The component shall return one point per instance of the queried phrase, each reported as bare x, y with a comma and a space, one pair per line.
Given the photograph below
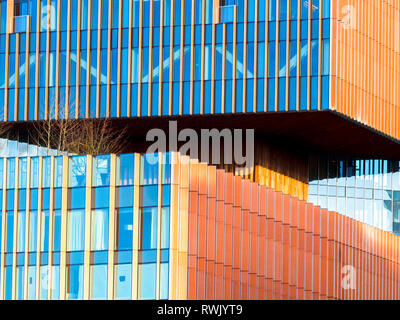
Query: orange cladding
365, 62
247, 241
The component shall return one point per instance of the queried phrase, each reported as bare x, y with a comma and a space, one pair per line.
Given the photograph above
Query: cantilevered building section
317, 80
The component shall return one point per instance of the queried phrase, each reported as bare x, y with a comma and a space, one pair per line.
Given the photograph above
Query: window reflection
363, 189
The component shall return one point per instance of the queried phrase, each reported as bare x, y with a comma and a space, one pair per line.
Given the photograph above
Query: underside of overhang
316, 131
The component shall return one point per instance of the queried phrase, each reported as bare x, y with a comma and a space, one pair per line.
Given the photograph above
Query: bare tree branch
77, 136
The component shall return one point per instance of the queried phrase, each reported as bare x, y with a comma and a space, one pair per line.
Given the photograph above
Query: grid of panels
365, 190
121, 58
250, 242
85, 227
200, 233
365, 62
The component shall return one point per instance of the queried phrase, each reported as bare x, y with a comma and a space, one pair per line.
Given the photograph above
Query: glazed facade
364, 190
106, 58
165, 227
136, 226
71, 227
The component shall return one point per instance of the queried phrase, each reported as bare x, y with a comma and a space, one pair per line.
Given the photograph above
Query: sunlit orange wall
281, 169
247, 241
365, 62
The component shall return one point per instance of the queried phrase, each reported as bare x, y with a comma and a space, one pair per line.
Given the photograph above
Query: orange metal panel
229, 188
194, 176
203, 183
193, 210
236, 284
192, 283
270, 248
211, 226
228, 235
220, 232
285, 261
201, 278
210, 280
253, 243
316, 253
237, 191
246, 194
219, 283
220, 185
277, 284
228, 283
293, 250
202, 226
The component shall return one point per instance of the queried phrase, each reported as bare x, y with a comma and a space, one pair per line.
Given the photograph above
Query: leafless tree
97, 136
4, 126
77, 136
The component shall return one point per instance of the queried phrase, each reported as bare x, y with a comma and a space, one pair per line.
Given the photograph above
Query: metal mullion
36, 103
68, 65
213, 66
320, 60
88, 227
266, 44
136, 222
287, 55
51, 227
159, 227
46, 102
140, 60
234, 62
27, 226
277, 56
7, 71
161, 59
174, 220
150, 70
39, 229
78, 61
64, 213
109, 38
203, 40
3, 230
88, 57
111, 232
27, 45
129, 82
182, 57
57, 83
15, 235
255, 87
17, 60
99, 24
245, 52
192, 56
171, 58
119, 59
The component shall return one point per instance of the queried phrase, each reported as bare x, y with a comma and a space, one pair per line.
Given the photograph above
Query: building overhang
322, 131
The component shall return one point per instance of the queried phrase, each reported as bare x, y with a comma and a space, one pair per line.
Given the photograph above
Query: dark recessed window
21, 8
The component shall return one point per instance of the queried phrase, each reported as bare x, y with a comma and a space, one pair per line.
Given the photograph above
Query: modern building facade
124, 227
316, 79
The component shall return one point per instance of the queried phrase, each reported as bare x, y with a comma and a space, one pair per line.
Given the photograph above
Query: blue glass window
76, 230
125, 229
100, 229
